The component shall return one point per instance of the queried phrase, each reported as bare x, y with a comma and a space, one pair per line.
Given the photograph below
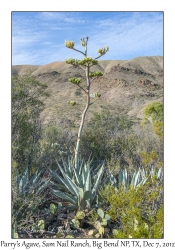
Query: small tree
154, 112
28, 97
86, 63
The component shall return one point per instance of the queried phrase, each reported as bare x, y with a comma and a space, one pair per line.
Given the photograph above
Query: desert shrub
148, 144
99, 137
27, 196
154, 111
126, 145
116, 141
110, 122
137, 212
150, 159
55, 143
28, 95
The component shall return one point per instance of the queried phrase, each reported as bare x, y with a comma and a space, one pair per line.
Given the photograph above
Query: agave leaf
55, 175
87, 186
142, 177
142, 182
70, 167
60, 168
85, 172
23, 181
120, 177
42, 186
81, 193
57, 186
33, 181
89, 166
90, 160
95, 171
67, 168
83, 176
72, 187
97, 182
160, 173
144, 173
135, 178
78, 177
152, 172
72, 208
113, 181
88, 203
80, 167
66, 197
17, 179
58, 178
125, 175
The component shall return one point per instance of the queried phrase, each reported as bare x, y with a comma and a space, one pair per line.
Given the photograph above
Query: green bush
99, 139
110, 122
137, 212
53, 144
26, 197
155, 112
28, 96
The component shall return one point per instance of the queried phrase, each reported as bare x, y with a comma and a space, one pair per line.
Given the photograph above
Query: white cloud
69, 17
134, 36
41, 38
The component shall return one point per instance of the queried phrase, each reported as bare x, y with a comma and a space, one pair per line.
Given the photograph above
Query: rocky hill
125, 88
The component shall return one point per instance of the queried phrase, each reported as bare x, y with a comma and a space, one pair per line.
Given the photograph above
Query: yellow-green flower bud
69, 44
97, 95
73, 103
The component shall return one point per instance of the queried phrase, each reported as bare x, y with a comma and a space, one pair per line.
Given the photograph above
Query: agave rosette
77, 185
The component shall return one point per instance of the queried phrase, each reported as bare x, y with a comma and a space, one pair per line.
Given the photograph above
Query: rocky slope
126, 87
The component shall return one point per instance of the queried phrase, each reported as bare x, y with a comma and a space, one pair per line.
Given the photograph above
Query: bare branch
79, 51
82, 67
94, 101
93, 78
98, 57
82, 88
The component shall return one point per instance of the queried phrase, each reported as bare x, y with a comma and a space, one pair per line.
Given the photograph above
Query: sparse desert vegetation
108, 182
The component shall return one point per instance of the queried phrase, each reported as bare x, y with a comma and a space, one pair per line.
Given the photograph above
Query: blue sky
38, 37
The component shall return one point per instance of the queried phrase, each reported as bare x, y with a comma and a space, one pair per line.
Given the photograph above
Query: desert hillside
125, 87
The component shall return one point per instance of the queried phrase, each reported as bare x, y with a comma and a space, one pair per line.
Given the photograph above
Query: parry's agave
25, 196
138, 178
25, 186
77, 185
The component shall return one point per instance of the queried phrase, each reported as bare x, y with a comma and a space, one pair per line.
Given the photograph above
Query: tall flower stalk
86, 63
